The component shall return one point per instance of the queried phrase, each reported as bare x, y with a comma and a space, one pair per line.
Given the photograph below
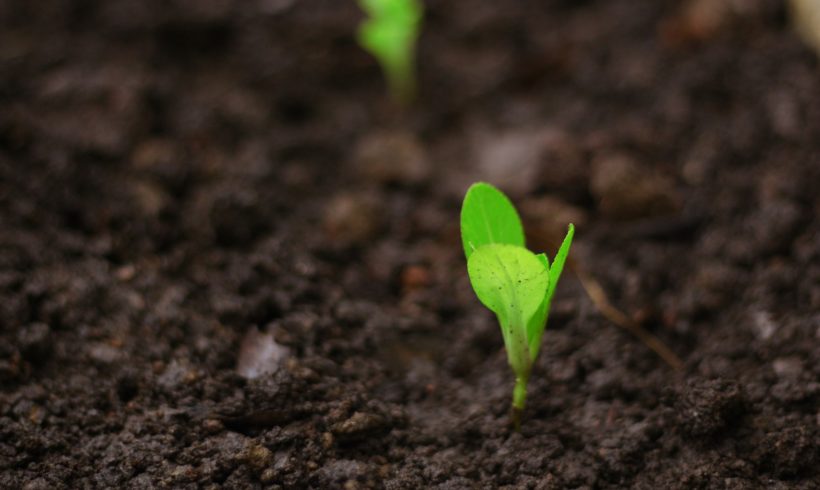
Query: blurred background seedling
389, 34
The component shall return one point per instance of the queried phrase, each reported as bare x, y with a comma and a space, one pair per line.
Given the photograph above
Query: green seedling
389, 34
514, 283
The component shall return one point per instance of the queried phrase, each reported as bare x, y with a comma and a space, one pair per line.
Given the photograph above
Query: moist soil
228, 261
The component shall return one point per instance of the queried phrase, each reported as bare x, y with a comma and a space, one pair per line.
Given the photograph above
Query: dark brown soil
227, 261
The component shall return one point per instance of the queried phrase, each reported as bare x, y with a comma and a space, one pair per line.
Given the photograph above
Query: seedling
390, 35
516, 284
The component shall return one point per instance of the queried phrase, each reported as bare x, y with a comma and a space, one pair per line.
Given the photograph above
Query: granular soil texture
226, 261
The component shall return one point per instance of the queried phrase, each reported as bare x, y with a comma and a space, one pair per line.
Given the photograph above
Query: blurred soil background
226, 261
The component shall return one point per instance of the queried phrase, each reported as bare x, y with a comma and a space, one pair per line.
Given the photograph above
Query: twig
599, 299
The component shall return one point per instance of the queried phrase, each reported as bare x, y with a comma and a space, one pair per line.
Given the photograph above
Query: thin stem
401, 79
519, 400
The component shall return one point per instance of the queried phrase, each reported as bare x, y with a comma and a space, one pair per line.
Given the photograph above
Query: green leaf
512, 282
488, 217
558, 262
537, 324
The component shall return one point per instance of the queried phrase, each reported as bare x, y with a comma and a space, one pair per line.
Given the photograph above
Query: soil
228, 261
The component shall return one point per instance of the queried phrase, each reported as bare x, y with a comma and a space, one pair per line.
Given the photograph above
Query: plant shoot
389, 33
513, 282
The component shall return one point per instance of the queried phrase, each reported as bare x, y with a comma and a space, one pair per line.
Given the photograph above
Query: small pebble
258, 457
550, 216
359, 424
352, 219
415, 277
511, 160
125, 272
327, 440
627, 190
149, 197
259, 354
268, 476
212, 426
392, 157
104, 353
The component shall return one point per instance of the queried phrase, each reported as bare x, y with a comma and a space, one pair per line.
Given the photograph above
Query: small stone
697, 21
212, 426
626, 190
510, 160
104, 353
258, 457
36, 415
358, 425
150, 198
191, 376
268, 476
352, 219
763, 325
392, 157
549, 217
259, 354
183, 473
327, 440
126, 272
415, 277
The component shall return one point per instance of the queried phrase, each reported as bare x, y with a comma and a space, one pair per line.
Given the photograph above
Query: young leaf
539, 320
558, 262
512, 282
487, 217
537, 324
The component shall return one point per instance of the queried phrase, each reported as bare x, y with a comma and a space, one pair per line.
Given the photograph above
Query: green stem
519, 400
401, 80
